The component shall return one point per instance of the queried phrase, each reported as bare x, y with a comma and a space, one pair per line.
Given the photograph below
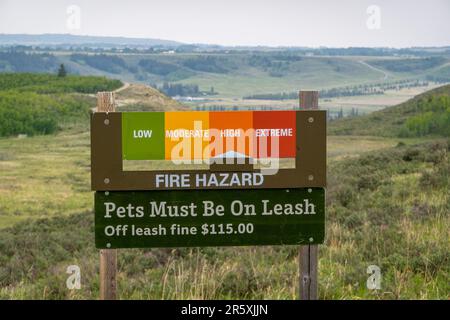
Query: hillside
34, 104
388, 207
232, 74
81, 40
425, 114
139, 97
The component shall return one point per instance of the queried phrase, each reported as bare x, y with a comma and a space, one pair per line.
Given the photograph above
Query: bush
24, 62
40, 103
425, 114
49, 83
437, 178
409, 65
30, 113
156, 67
108, 63
206, 64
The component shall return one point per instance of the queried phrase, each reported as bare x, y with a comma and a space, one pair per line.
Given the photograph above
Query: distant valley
217, 77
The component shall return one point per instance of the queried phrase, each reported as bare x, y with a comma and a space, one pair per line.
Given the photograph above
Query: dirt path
125, 85
386, 75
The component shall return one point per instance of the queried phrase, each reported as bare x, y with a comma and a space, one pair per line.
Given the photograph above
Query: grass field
387, 204
311, 73
364, 104
47, 225
46, 176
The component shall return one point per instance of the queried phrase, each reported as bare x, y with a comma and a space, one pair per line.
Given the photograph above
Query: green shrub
437, 178
108, 63
41, 103
424, 115
51, 83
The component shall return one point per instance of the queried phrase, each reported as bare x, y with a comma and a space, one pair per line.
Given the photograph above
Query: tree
62, 71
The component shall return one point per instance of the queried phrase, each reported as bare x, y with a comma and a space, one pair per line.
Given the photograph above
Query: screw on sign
139, 208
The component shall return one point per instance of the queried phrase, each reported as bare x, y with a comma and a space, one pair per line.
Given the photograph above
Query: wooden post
108, 269
308, 257
108, 257
308, 254
309, 100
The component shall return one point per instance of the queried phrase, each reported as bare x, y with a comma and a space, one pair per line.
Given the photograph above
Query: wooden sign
218, 204
189, 218
208, 138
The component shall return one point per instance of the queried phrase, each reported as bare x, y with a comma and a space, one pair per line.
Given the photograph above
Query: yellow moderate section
186, 135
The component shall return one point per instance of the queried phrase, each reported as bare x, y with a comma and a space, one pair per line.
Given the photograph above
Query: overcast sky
332, 23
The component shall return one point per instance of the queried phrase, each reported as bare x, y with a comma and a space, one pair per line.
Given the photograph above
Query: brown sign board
108, 174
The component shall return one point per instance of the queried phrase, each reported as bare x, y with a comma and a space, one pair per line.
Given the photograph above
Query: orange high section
231, 132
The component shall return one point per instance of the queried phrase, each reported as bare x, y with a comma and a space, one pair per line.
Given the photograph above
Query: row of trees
234, 108
292, 52
206, 64
52, 83
18, 61
183, 90
275, 64
334, 115
409, 65
200, 63
157, 67
359, 90
108, 63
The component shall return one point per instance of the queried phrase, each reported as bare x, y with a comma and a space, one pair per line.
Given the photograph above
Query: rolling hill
233, 74
387, 205
425, 114
81, 40
35, 104
139, 97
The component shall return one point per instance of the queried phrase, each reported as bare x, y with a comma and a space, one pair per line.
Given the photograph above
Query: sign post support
142, 208
308, 254
108, 257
